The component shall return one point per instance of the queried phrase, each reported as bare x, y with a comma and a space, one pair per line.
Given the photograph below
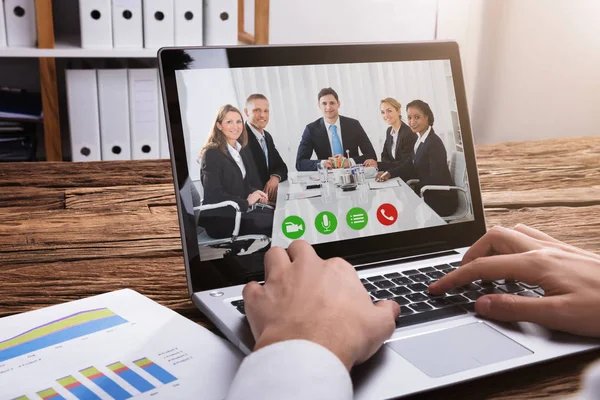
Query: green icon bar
326, 223
293, 227
357, 218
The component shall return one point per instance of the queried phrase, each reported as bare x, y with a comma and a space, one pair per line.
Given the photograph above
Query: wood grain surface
70, 230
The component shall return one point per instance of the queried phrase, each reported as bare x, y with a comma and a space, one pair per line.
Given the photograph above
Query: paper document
390, 183
303, 195
117, 345
305, 179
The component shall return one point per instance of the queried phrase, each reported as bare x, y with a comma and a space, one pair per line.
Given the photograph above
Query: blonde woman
399, 138
224, 169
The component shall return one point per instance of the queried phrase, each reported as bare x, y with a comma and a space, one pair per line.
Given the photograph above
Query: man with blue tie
270, 168
333, 135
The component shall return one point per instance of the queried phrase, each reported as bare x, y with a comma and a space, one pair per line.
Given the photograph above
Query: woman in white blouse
223, 173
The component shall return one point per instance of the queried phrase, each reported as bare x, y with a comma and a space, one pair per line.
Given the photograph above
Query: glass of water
322, 173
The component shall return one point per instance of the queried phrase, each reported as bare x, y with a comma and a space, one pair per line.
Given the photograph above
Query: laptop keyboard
409, 289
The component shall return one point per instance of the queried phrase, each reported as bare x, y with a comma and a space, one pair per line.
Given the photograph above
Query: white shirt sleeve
591, 383
293, 369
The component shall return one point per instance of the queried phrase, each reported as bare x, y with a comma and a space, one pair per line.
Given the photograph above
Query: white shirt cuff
293, 369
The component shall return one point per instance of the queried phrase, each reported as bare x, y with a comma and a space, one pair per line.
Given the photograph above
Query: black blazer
315, 138
430, 166
404, 148
222, 179
261, 173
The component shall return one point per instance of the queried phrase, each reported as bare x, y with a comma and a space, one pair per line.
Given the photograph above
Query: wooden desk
69, 230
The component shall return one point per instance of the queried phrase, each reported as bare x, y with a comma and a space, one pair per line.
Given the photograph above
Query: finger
534, 233
276, 260
511, 308
391, 307
499, 240
300, 249
528, 268
251, 292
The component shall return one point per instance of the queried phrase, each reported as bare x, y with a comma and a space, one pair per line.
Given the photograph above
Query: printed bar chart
105, 383
132, 377
50, 394
77, 388
21, 398
59, 331
155, 370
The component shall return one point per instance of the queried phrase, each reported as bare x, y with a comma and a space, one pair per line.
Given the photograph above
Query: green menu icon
357, 218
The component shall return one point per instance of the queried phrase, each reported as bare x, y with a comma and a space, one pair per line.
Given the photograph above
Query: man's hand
569, 276
382, 176
370, 163
298, 301
327, 164
271, 187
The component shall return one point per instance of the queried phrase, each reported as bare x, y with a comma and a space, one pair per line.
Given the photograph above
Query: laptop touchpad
457, 349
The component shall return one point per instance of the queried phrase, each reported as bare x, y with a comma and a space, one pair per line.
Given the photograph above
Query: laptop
390, 232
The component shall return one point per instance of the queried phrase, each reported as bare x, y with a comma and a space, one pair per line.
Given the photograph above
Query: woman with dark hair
429, 163
223, 173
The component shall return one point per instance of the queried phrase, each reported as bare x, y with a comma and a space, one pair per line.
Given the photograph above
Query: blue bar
83, 393
159, 373
135, 380
61, 336
109, 386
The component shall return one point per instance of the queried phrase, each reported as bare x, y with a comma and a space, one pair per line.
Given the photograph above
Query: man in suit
332, 135
270, 168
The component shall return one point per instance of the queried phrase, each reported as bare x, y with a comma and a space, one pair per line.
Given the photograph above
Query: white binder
113, 102
96, 24
162, 127
143, 113
84, 124
127, 24
159, 23
220, 22
188, 23
2, 27
19, 16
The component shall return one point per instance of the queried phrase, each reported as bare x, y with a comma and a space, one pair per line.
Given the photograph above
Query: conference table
71, 230
302, 199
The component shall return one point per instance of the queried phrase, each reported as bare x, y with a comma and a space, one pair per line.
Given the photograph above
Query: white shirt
235, 153
291, 370
329, 135
259, 136
394, 141
299, 369
421, 139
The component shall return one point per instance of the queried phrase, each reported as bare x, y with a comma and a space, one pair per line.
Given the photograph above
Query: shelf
70, 48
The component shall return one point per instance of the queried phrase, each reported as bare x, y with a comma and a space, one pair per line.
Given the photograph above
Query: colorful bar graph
50, 394
21, 398
77, 388
59, 331
132, 377
105, 383
155, 370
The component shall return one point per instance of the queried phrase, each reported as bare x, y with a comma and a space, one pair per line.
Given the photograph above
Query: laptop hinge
399, 256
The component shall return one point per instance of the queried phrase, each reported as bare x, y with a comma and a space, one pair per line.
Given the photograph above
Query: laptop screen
350, 156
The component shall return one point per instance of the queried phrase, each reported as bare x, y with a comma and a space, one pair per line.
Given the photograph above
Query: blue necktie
263, 144
335, 141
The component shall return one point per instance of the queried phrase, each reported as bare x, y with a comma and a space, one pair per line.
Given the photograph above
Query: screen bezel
204, 275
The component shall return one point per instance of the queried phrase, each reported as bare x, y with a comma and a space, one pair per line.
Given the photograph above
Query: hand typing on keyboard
568, 276
305, 297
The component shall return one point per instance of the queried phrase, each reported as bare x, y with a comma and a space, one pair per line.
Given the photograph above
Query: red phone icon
387, 214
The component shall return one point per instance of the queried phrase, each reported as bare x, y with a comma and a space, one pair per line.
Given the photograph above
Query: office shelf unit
51, 47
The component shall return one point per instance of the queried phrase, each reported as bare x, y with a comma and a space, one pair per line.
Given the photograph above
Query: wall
329, 21
534, 72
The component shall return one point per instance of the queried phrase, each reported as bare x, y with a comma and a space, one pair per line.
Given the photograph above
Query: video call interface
321, 153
